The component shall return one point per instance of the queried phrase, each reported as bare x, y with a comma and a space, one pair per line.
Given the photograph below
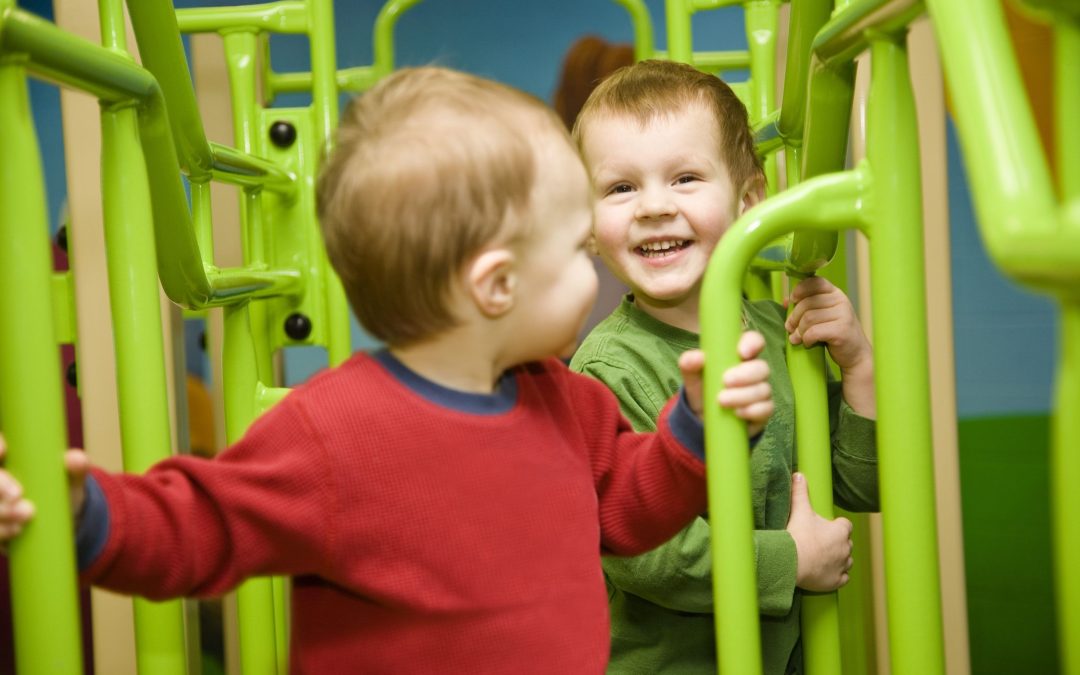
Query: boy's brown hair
429, 167
651, 89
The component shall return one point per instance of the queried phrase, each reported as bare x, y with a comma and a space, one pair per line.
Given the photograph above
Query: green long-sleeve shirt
661, 602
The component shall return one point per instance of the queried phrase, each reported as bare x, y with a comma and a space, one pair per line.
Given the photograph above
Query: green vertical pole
679, 34
140, 357
1065, 450
905, 449
1064, 474
643, 28
246, 359
324, 98
44, 592
258, 652
141, 386
820, 619
761, 18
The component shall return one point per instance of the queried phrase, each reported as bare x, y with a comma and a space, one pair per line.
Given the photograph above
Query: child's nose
653, 204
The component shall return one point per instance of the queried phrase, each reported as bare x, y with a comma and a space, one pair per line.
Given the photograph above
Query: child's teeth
661, 246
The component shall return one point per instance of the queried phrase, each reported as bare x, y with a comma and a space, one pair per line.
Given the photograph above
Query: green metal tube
849, 31
140, 356
142, 391
1064, 473
162, 53
383, 37
679, 34
284, 16
1014, 201
820, 616
714, 61
905, 444
826, 202
762, 17
73, 61
256, 629
324, 93
44, 593
1065, 449
114, 79
827, 118
355, 79
325, 111
644, 46
805, 20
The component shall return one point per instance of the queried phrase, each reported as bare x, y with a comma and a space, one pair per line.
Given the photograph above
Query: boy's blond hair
649, 90
430, 166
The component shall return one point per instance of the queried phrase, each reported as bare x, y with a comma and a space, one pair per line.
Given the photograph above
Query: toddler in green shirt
670, 155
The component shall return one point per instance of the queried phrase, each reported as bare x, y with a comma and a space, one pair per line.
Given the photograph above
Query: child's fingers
10, 489
741, 397
13, 515
692, 361
746, 373
819, 325
809, 304
760, 411
76, 463
750, 344
810, 286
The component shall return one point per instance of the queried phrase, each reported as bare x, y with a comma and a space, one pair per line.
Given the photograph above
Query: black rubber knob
61, 238
298, 326
72, 374
282, 134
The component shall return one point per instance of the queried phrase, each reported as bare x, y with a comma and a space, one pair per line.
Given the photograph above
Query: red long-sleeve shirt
422, 535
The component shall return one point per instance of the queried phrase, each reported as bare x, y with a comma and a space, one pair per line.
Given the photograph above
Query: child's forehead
684, 114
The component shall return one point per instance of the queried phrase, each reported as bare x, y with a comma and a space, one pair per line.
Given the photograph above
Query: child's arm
822, 313
652, 485
193, 527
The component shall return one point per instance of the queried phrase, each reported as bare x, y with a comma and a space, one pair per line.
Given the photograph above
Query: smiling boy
670, 155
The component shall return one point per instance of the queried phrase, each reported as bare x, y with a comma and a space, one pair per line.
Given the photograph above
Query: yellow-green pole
44, 592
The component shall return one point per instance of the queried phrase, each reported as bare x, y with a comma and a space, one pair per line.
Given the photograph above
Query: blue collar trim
502, 400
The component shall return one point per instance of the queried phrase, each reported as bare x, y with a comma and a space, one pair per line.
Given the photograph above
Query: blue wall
45, 101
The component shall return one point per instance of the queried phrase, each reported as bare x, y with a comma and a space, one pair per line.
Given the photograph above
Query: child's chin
568, 351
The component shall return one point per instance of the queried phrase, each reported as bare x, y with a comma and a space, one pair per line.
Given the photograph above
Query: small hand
822, 313
16, 510
746, 385
823, 546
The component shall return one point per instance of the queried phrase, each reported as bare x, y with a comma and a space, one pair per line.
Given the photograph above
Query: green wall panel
1005, 497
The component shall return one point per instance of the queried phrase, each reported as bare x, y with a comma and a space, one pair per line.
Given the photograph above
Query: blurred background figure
588, 61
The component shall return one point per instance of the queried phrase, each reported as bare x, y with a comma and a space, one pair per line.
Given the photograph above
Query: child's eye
682, 180
620, 188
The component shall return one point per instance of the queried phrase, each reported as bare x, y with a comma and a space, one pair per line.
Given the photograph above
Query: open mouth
661, 249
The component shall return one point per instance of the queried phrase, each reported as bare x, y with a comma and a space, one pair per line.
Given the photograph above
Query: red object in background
75, 440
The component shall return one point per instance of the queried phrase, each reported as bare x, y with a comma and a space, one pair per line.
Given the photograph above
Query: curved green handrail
644, 45
118, 82
837, 200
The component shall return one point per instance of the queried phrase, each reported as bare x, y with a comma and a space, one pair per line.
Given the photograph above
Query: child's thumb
800, 496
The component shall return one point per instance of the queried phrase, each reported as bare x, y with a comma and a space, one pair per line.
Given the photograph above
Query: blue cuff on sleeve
689, 429
93, 529
687, 426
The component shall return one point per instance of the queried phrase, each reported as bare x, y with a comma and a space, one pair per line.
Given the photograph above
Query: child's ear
753, 191
492, 281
